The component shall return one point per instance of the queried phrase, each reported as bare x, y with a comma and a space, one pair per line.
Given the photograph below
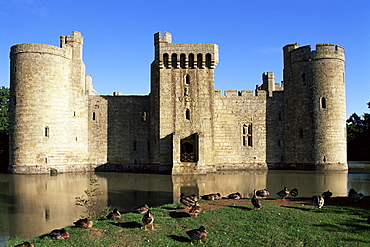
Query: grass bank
294, 222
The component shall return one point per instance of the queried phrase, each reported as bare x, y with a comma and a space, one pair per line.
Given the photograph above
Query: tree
358, 136
4, 127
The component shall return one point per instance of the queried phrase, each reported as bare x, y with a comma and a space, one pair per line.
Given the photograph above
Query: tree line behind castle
358, 133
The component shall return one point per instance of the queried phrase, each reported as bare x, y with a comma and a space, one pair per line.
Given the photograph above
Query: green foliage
358, 136
88, 200
4, 127
339, 223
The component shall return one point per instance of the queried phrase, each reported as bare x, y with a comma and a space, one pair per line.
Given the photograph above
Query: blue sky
118, 44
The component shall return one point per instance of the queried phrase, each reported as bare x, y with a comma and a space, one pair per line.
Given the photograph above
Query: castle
58, 121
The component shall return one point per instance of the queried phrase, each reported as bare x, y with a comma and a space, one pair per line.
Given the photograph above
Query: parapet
40, 48
158, 38
305, 53
76, 37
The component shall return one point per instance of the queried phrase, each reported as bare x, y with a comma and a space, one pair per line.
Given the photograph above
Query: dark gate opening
189, 149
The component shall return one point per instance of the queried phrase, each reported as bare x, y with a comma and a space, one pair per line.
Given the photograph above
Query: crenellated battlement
305, 53
76, 37
166, 38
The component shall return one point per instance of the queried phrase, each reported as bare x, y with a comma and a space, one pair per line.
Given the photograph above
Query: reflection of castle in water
47, 202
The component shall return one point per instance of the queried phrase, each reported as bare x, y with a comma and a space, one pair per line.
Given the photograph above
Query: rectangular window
247, 135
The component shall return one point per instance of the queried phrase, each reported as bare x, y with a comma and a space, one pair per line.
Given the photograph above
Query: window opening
199, 60
143, 116
46, 131
165, 60
187, 114
247, 135
191, 60
209, 61
187, 79
174, 60
323, 102
300, 133
93, 116
303, 76
182, 61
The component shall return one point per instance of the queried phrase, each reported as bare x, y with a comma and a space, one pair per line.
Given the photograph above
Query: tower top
166, 38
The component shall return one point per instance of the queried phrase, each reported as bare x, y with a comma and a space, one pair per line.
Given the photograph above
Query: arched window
174, 60
209, 61
182, 61
187, 79
199, 60
165, 60
191, 60
323, 102
187, 114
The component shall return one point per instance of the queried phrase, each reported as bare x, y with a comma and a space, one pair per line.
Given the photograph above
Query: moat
46, 202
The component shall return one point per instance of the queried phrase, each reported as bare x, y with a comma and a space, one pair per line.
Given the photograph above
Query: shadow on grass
132, 224
179, 214
179, 238
300, 208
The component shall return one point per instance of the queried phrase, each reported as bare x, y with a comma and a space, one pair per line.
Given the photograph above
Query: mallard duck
25, 244
216, 196
353, 194
197, 234
194, 197
283, 193
235, 196
186, 201
327, 194
195, 210
84, 223
115, 215
262, 193
59, 234
147, 220
318, 201
208, 197
255, 202
294, 192
140, 210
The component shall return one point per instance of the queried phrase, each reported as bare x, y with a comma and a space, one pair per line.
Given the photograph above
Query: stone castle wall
184, 125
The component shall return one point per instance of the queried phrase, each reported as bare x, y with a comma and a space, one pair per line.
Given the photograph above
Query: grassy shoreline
293, 222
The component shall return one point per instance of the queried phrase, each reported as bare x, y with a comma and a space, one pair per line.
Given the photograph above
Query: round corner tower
47, 109
315, 107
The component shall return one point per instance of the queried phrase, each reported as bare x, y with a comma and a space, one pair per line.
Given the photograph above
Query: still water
31, 205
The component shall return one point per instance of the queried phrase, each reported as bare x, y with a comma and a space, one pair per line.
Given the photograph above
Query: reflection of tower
182, 92
314, 87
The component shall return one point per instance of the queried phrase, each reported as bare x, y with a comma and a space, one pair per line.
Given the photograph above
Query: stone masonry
58, 120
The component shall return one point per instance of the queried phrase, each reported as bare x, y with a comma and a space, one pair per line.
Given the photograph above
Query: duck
294, 192
186, 201
195, 210
148, 220
255, 202
59, 234
318, 201
194, 197
84, 223
115, 215
353, 194
235, 196
208, 197
141, 210
262, 193
197, 234
25, 244
216, 196
283, 193
327, 194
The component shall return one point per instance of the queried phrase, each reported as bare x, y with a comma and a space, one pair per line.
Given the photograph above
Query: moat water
31, 205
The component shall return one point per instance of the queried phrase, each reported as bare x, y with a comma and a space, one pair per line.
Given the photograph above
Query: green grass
339, 223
